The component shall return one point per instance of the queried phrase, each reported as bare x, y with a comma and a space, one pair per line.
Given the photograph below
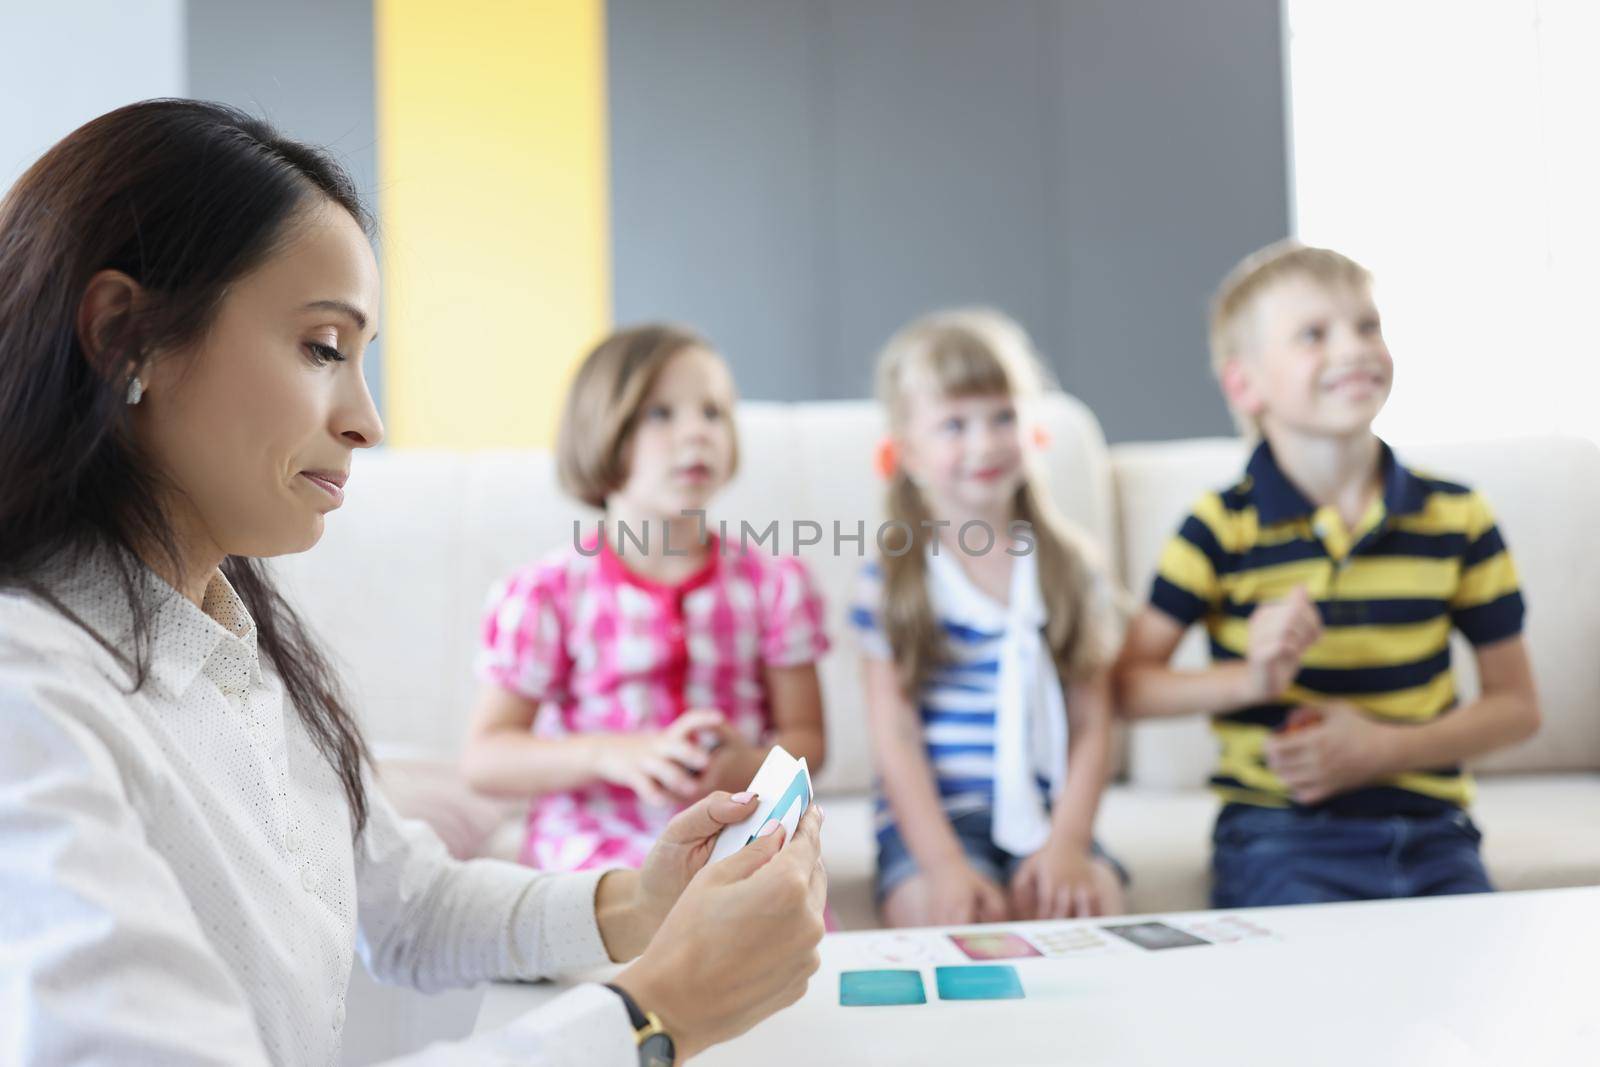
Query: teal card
979, 983
863, 989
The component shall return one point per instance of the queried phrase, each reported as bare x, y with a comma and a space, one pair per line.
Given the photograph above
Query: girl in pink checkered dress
648, 664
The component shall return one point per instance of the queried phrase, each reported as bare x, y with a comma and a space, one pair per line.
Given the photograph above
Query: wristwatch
655, 1044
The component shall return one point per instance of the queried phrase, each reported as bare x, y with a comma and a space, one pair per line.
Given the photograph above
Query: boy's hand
660, 767
963, 895
1280, 634
1345, 750
1057, 882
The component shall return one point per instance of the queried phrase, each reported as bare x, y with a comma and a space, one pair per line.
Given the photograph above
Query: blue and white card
783, 785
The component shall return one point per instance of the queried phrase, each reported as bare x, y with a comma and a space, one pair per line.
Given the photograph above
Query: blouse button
293, 842
307, 881
338, 1017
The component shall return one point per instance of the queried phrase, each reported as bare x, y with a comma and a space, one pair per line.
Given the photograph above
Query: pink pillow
435, 792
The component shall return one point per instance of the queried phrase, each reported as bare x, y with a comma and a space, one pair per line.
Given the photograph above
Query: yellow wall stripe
494, 213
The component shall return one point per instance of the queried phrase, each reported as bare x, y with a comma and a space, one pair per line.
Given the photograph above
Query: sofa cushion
1540, 831
397, 585
434, 791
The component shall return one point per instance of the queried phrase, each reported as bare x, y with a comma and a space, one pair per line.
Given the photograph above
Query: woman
191, 844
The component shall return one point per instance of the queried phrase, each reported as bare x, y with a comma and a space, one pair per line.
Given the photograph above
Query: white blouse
178, 882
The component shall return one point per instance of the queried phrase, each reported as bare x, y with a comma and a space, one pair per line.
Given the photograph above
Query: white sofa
397, 586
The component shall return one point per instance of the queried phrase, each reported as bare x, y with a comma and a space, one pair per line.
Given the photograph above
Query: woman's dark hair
185, 198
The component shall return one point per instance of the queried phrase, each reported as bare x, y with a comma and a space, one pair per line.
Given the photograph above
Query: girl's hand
700, 975
1057, 882
660, 767
962, 894
732, 765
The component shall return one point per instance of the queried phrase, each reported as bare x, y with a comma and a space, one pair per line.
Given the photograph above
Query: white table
1511, 978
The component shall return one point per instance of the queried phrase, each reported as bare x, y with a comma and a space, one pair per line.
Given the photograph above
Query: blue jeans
896, 865
1268, 856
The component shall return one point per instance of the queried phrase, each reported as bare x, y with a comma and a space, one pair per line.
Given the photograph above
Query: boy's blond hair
603, 404
1239, 292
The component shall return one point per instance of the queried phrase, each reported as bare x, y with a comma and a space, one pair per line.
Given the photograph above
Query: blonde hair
976, 352
1241, 289
602, 406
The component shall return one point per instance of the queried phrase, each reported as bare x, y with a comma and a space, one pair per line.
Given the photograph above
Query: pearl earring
135, 390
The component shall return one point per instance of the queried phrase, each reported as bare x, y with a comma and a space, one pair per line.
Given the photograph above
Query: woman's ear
104, 315
1239, 387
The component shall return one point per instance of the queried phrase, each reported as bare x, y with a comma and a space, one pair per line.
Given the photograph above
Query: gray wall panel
714, 163
938, 176
306, 65
799, 177
1173, 165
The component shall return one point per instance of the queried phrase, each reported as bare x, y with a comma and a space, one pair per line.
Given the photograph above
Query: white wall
67, 61
1454, 150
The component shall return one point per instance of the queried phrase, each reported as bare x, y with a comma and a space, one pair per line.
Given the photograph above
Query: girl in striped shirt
987, 641
634, 672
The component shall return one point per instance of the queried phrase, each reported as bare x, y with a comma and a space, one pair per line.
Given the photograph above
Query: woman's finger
706, 818
804, 849
817, 889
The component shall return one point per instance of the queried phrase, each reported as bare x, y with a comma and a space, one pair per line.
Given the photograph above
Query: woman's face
253, 425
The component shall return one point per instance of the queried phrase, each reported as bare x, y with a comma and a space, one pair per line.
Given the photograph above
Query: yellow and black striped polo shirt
1426, 557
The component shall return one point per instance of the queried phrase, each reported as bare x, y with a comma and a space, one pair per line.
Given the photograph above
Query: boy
1329, 579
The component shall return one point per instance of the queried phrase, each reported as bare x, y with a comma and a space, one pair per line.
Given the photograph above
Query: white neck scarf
1030, 709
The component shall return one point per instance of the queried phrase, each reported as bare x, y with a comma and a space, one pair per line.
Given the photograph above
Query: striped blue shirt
957, 703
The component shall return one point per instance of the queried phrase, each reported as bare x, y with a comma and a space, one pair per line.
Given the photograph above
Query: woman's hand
630, 905
962, 894
1057, 882
661, 767
741, 942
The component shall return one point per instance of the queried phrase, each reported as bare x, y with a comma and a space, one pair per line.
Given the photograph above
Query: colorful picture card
783, 785
1155, 936
875, 989
993, 982
996, 945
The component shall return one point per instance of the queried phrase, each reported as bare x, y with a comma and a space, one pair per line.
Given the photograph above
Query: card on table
993, 982
868, 989
783, 785
1155, 936
1068, 940
915, 948
1229, 929
995, 945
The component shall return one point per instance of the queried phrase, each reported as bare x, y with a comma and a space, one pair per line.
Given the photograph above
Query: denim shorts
1264, 857
896, 865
